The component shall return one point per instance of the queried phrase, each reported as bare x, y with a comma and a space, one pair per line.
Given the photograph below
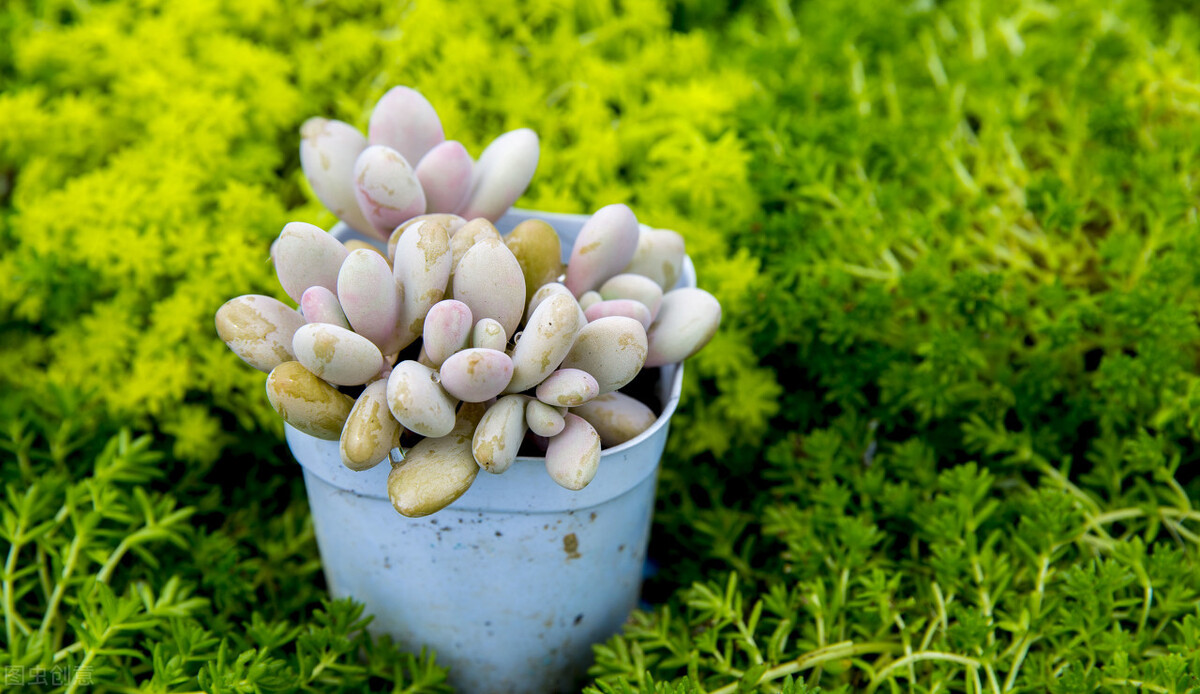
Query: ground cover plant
979, 242
944, 440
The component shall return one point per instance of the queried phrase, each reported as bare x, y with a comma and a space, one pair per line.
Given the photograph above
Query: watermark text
56, 675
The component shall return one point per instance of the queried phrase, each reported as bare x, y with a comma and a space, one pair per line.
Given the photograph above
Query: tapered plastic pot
515, 581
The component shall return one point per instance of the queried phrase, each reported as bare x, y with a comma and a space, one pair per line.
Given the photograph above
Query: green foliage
143, 145
978, 252
978, 248
111, 583
872, 576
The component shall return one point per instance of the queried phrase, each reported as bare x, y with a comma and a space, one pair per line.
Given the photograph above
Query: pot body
513, 582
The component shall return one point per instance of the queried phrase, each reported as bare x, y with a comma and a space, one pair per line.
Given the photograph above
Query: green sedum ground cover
944, 441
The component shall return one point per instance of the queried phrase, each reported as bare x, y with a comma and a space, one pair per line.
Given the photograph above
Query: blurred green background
944, 441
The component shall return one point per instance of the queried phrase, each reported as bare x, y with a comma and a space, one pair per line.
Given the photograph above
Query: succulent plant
459, 344
405, 167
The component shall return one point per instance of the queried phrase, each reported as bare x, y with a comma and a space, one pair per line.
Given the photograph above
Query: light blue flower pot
515, 581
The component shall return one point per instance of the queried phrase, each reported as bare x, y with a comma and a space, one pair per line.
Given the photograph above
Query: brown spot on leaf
363, 430
484, 450
324, 346
432, 243
307, 402
240, 320
314, 128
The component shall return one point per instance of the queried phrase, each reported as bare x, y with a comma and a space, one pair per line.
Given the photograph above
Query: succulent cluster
458, 343
406, 167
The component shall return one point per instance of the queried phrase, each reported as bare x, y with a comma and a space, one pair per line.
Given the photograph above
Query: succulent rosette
458, 345
405, 167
